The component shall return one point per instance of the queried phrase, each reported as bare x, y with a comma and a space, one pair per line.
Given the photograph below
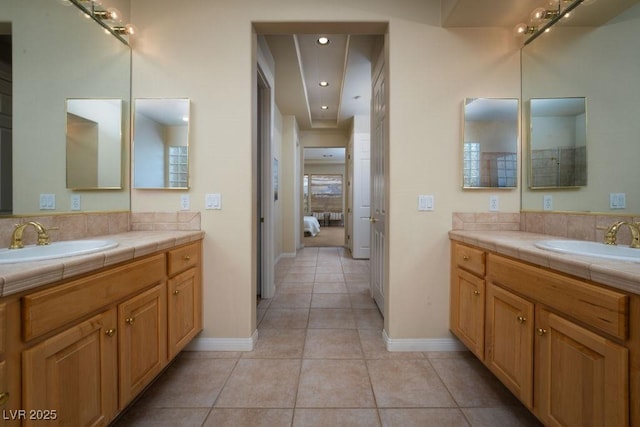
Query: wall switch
425, 202
75, 202
184, 202
547, 202
494, 203
47, 201
213, 201
617, 200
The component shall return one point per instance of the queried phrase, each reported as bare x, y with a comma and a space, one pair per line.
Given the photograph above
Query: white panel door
361, 231
379, 136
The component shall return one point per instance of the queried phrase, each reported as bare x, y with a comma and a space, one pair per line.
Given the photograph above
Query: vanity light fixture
110, 14
323, 83
324, 107
540, 14
127, 30
524, 29
543, 18
323, 40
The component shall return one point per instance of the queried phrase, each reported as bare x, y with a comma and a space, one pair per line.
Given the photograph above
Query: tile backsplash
579, 226
85, 225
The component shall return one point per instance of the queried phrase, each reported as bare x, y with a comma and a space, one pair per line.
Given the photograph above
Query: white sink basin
595, 249
54, 250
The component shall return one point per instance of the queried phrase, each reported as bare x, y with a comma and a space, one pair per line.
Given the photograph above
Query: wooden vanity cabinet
85, 348
560, 344
184, 297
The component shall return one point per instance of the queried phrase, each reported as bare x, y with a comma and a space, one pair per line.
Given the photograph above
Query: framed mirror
558, 142
94, 144
161, 143
490, 143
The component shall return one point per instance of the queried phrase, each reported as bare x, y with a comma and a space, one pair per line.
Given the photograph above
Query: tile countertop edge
521, 245
19, 277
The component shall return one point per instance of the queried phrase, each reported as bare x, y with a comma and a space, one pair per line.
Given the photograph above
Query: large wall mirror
161, 143
490, 143
558, 142
94, 143
57, 54
593, 55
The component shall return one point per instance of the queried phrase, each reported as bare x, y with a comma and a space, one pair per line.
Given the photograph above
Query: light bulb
522, 29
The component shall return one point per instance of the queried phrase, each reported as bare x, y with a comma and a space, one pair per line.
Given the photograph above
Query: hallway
320, 361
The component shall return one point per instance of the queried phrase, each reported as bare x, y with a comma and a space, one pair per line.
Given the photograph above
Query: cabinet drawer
601, 308
182, 258
470, 259
52, 308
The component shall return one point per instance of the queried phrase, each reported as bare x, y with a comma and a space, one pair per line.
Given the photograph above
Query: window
471, 164
178, 169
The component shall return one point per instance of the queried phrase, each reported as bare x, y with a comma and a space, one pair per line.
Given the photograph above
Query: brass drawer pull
130, 320
521, 319
187, 257
110, 332
4, 397
176, 292
476, 293
541, 331
466, 257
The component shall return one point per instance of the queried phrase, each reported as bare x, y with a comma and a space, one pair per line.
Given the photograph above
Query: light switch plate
547, 202
213, 201
47, 201
425, 202
617, 200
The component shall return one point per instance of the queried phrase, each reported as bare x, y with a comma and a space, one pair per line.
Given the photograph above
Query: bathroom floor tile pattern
320, 361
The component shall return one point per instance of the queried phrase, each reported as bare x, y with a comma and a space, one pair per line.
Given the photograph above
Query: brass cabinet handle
476, 293
110, 332
187, 257
176, 292
521, 319
465, 257
541, 331
4, 397
130, 320
372, 219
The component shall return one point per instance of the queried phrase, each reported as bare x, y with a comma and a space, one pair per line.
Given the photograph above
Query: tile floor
320, 361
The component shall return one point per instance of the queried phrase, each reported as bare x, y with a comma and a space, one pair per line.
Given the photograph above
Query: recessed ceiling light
323, 84
324, 107
322, 41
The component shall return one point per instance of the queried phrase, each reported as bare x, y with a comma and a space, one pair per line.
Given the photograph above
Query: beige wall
431, 71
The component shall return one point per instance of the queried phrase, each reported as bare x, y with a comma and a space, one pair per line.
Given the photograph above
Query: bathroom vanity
79, 350
565, 344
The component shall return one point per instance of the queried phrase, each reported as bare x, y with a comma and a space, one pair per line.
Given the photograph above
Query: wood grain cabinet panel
73, 374
509, 341
582, 378
467, 310
183, 258
143, 340
469, 258
184, 310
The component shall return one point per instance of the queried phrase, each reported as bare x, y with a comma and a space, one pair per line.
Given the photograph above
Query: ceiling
345, 63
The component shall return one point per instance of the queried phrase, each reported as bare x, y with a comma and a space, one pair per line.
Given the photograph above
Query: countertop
20, 277
621, 275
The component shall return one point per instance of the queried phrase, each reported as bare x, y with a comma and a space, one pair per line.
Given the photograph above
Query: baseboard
422, 344
285, 255
223, 344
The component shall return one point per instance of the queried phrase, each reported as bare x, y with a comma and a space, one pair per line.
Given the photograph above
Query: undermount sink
54, 250
595, 249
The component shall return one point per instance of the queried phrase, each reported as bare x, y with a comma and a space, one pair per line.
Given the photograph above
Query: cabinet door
184, 310
509, 341
74, 374
143, 340
467, 310
582, 378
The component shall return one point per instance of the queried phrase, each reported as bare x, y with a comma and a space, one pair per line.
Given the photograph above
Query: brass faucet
612, 233
16, 239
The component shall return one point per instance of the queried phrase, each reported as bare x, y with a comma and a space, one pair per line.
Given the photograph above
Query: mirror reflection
580, 61
490, 143
558, 142
57, 54
94, 143
161, 143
